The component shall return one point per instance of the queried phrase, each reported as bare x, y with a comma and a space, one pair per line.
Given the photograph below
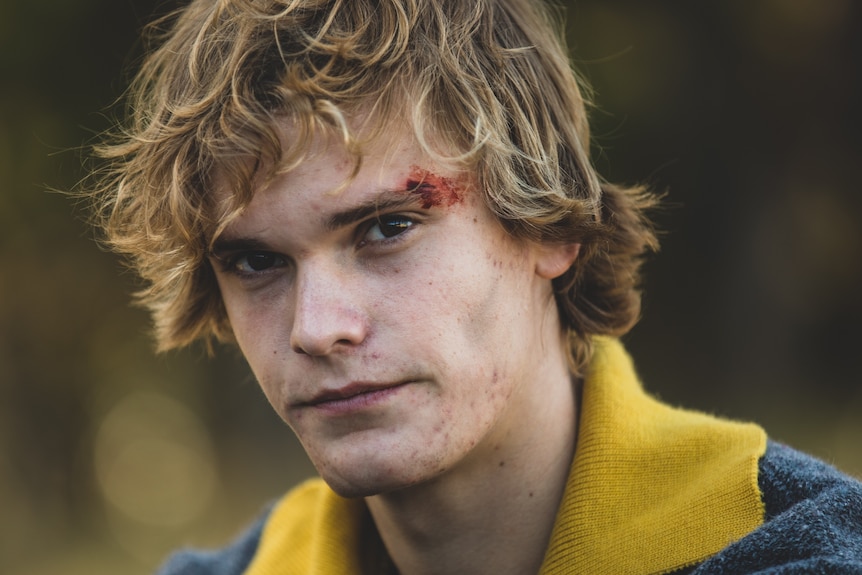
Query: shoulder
812, 522
791, 481
230, 560
288, 519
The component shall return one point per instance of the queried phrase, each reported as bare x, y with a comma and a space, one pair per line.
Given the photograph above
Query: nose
328, 313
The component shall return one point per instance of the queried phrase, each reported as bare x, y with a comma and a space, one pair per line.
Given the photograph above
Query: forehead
330, 175
325, 171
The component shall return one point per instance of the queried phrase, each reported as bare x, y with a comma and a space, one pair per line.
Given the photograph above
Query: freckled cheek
258, 317
427, 302
399, 314
263, 336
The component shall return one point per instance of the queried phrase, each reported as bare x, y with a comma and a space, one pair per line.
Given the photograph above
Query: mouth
353, 397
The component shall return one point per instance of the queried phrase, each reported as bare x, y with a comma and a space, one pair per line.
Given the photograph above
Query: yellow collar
652, 489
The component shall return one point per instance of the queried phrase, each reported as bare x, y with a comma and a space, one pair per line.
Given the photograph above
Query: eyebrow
228, 245
388, 200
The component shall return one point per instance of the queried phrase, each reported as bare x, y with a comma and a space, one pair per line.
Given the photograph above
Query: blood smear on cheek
433, 189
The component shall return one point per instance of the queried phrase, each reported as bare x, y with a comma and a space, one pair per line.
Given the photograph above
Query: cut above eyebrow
384, 202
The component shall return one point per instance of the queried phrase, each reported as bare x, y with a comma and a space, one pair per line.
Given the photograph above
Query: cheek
259, 334
255, 317
460, 288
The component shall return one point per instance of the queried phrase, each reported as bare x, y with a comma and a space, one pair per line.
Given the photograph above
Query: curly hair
485, 85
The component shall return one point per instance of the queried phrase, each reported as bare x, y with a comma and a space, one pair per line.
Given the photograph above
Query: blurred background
746, 113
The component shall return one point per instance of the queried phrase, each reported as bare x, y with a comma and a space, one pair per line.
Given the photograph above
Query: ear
555, 259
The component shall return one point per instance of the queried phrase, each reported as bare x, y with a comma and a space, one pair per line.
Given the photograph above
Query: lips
353, 396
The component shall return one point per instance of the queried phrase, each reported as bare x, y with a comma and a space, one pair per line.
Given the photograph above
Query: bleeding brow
434, 190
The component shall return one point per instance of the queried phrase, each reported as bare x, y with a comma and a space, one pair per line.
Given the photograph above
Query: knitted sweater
652, 490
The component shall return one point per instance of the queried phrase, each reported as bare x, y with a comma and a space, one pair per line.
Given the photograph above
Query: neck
495, 512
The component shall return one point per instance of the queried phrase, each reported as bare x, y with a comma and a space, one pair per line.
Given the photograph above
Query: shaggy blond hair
487, 79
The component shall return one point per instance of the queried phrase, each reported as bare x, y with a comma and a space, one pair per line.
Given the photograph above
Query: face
392, 324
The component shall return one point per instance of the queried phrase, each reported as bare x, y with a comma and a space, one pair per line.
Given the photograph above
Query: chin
373, 482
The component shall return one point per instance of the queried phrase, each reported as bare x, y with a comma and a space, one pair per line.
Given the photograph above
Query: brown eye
256, 262
389, 226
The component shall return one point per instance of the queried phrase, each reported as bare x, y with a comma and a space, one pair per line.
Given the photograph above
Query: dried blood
433, 189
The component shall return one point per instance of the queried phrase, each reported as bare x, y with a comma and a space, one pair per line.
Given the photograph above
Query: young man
390, 208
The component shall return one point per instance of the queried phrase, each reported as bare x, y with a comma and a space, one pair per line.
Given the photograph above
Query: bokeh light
154, 461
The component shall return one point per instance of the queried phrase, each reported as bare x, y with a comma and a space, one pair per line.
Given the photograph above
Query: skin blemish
434, 190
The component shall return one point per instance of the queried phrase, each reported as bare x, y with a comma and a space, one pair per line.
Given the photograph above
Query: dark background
745, 113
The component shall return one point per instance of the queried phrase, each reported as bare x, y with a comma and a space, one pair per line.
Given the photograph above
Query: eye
254, 262
385, 227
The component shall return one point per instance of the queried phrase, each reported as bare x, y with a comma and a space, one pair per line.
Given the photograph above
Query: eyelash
404, 224
232, 262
